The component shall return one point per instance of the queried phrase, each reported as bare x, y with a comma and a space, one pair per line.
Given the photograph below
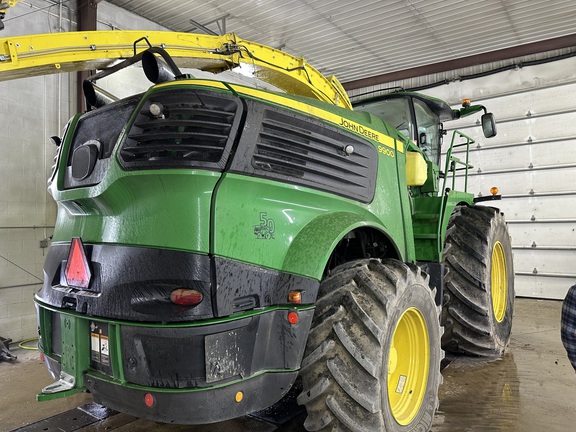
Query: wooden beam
87, 19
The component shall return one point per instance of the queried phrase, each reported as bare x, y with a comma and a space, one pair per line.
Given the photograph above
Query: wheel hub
408, 366
499, 282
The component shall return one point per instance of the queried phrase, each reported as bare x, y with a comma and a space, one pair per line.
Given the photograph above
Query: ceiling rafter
359, 40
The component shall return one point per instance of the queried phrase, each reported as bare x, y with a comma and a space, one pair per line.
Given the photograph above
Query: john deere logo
359, 129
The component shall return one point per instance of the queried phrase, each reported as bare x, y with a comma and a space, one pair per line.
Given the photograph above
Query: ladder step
425, 216
425, 236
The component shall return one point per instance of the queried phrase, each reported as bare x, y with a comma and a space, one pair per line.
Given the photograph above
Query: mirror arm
471, 109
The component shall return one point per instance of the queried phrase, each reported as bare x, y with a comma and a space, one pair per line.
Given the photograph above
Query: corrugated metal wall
533, 162
31, 110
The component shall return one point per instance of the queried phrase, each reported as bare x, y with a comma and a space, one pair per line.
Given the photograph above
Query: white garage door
532, 161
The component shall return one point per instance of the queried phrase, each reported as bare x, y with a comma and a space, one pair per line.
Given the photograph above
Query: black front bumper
193, 372
200, 407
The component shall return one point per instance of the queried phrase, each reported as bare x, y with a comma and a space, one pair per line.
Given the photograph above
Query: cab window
395, 111
428, 136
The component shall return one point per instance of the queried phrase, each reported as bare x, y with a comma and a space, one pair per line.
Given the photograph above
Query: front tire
372, 361
479, 294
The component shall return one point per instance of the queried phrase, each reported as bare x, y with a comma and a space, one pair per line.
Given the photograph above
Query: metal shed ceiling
357, 39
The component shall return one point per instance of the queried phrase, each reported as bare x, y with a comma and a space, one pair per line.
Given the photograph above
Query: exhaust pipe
95, 96
155, 69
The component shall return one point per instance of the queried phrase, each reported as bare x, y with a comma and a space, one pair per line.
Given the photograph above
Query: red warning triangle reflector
77, 269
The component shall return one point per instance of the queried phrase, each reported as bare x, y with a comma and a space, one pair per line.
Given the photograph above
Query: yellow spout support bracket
12, 53
41, 54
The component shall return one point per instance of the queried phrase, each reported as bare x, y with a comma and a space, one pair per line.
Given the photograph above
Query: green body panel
321, 234
430, 219
160, 208
306, 224
426, 220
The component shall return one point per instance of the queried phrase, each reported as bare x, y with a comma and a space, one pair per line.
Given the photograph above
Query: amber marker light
494, 190
465, 103
239, 397
295, 297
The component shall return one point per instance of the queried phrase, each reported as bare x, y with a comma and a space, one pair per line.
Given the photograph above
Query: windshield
420, 123
395, 111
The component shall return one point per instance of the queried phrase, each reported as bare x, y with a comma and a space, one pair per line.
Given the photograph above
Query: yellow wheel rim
408, 365
499, 282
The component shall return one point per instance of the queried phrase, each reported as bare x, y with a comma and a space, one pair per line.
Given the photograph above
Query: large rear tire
373, 355
479, 284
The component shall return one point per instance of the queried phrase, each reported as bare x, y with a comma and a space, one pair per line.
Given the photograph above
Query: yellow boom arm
6, 4
42, 54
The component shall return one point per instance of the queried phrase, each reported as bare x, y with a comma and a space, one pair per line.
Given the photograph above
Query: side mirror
422, 138
488, 125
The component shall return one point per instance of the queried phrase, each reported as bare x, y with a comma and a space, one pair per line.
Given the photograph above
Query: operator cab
415, 116
419, 118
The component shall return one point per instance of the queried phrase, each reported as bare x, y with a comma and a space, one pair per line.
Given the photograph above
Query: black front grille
182, 128
307, 152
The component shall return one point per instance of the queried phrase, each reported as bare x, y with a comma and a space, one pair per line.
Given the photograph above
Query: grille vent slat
300, 158
297, 144
193, 130
303, 135
170, 135
186, 123
213, 111
294, 166
306, 152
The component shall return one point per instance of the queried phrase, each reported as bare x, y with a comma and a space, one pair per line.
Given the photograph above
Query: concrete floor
531, 389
